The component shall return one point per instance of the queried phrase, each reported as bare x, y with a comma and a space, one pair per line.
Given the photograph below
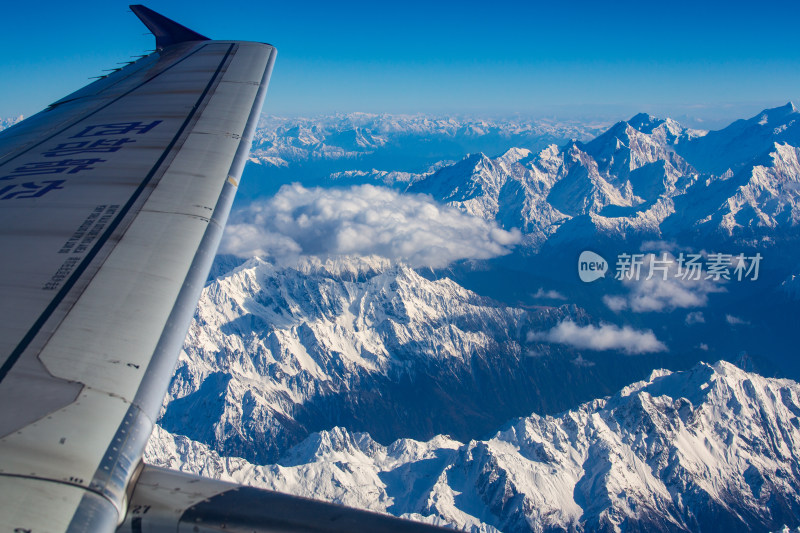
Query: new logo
591, 266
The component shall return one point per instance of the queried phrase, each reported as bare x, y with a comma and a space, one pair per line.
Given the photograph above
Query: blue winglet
166, 31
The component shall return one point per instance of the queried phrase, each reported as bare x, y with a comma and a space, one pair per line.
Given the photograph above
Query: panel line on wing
112, 227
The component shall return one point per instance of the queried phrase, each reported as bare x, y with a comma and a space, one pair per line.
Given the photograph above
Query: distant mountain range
280, 141
7, 122
347, 148
312, 376
647, 177
648, 185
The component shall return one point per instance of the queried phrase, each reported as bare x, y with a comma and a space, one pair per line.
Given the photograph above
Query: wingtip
166, 31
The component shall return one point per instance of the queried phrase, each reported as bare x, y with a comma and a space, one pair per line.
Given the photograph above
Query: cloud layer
602, 337
362, 220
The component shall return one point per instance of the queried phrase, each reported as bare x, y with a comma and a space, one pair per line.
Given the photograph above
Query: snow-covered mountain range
645, 177
281, 141
7, 122
713, 448
339, 371
356, 148
274, 354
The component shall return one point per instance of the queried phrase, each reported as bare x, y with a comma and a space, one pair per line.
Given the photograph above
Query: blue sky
562, 59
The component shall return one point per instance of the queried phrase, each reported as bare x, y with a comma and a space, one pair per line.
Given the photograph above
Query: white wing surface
112, 204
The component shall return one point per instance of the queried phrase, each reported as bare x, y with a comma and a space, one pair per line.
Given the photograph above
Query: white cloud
659, 246
530, 352
615, 303
602, 337
362, 220
735, 321
695, 317
666, 290
580, 361
551, 294
703, 346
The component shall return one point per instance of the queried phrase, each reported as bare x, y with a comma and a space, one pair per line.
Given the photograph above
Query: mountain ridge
629, 181
275, 353
680, 451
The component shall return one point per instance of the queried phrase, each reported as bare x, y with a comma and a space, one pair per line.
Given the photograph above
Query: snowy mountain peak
743, 141
10, 121
631, 179
645, 123
331, 445
779, 113
628, 146
515, 155
356, 137
302, 346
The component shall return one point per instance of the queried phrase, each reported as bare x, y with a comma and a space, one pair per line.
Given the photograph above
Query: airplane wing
112, 203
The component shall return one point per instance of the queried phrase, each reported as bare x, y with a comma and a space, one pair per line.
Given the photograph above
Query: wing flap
47, 505
167, 500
